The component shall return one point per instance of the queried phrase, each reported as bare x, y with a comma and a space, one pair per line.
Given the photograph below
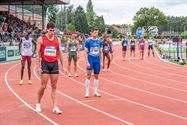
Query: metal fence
176, 51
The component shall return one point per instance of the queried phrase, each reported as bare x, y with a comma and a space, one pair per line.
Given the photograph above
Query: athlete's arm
38, 53
138, 44
86, 55
101, 56
60, 54
67, 46
127, 44
78, 49
20, 46
111, 45
135, 42
34, 45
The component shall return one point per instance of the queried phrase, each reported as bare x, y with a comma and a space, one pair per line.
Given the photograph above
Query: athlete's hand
101, 65
39, 71
88, 66
64, 70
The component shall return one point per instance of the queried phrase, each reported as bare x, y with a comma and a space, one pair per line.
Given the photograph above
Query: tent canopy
33, 2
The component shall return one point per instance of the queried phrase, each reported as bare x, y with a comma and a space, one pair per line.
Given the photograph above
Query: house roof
33, 2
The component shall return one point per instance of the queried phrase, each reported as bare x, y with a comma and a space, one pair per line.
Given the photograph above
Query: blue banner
139, 32
2, 54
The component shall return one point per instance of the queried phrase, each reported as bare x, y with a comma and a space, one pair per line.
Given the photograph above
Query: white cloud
122, 11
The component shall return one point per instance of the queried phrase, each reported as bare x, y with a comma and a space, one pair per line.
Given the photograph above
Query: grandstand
14, 20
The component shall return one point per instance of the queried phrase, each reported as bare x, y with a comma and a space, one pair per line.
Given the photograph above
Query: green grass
176, 62
173, 61
173, 51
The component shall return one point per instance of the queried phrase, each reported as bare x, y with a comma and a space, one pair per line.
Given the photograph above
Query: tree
52, 13
100, 23
60, 20
90, 14
70, 27
81, 24
89, 6
114, 34
70, 15
175, 24
148, 17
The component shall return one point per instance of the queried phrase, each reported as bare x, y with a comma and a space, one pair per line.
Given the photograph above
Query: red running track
148, 92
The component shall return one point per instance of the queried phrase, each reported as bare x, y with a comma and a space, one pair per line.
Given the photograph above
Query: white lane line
101, 100
159, 71
137, 89
145, 91
4, 63
171, 74
165, 61
167, 67
95, 109
29, 106
133, 102
153, 76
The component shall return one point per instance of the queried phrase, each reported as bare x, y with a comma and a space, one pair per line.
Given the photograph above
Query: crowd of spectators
12, 28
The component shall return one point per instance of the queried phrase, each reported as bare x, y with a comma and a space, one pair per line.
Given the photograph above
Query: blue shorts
94, 65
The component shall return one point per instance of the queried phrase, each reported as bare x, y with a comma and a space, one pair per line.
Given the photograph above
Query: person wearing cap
26, 51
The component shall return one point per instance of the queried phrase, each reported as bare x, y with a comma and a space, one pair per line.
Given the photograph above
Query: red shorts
28, 58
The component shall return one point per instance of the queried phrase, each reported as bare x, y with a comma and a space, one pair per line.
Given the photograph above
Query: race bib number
133, 44
27, 45
94, 50
106, 48
73, 49
150, 43
50, 51
124, 44
142, 44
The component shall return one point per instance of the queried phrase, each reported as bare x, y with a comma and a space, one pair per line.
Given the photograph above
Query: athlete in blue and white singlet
92, 57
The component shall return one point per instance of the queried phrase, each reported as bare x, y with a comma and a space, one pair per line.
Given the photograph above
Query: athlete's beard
94, 37
72, 38
50, 36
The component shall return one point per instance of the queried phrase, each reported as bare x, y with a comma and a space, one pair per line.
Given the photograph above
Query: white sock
96, 84
87, 84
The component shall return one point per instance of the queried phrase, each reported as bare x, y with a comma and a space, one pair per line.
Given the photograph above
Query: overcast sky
122, 11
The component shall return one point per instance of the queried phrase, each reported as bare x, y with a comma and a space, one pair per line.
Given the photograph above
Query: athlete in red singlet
49, 49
